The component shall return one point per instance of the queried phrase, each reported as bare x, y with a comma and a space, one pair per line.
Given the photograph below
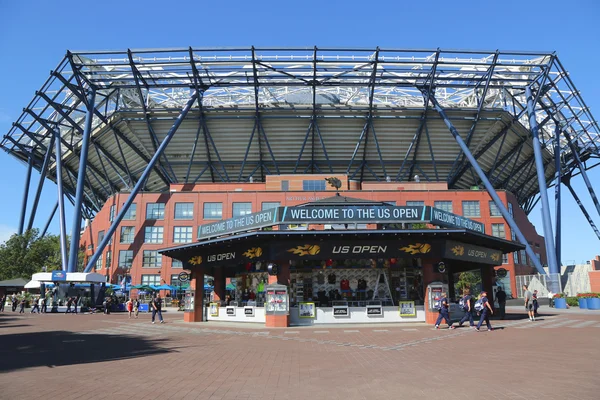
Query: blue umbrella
163, 287
208, 287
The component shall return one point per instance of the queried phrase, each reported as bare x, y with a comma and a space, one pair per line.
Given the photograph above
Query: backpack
437, 305
464, 302
479, 305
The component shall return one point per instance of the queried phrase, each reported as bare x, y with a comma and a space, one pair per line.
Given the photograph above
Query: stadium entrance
337, 260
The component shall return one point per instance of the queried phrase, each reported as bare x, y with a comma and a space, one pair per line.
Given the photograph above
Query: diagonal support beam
539, 164
25, 194
584, 175
566, 179
490, 189
111, 231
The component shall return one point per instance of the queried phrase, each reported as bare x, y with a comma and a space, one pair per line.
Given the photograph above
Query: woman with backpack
444, 312
465, 304
482, 306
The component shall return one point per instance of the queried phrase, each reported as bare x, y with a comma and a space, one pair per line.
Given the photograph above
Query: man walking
501, 297
44, 309
156, 308
76, 301
2, 301
36, 307
444, 312
483, 306
528, 302
13, 301
465, 303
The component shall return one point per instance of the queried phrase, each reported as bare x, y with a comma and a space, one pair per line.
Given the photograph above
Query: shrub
572, 301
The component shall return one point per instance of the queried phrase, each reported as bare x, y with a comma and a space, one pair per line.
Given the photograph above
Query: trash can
560, 303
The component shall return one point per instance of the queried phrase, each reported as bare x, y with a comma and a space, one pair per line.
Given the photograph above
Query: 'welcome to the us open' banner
375, 214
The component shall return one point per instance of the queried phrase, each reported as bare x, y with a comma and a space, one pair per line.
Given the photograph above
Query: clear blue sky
34, 36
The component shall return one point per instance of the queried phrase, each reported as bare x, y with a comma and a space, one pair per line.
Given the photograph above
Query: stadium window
523, 257
108, 259
111, 214
153, 234
184, 210
241, 209
494, 210
152, 259
155, 211
498, 231
266, 205
174, 280
471, 208
513, 235
213, 210
151, 280
125, 258
131, 213
415, 203
176, 264
100, 236
443, 205
504, 258
510, 209
313, 185
516, 257
127, 234
182, 234
99, 262
285, 186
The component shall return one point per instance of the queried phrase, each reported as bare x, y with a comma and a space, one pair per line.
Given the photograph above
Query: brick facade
269, 192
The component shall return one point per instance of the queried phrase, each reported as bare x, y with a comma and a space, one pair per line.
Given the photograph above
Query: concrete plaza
110, 356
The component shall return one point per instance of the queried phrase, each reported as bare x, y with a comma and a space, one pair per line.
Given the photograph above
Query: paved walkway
103, 357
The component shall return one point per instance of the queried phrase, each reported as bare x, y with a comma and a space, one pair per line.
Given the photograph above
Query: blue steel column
61, 202
140, 182
43, 172
25, 195
83, 157
49, 220
539, 166
488, 185
558, 176
583, 173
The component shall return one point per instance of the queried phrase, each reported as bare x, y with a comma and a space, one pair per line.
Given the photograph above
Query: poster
407, 309
214, 309
306, 310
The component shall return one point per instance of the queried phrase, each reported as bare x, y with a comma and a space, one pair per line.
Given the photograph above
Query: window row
155, 234
150, 259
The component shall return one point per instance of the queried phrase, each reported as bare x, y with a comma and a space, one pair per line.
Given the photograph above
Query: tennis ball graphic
314, 250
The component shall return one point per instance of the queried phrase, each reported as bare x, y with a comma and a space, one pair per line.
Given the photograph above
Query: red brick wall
257, 193
594, 281
596, 263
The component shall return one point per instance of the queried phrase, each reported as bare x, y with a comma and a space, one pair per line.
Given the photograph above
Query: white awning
90, 277
32, 285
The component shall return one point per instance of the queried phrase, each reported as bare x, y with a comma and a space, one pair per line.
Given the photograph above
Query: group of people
133, 308
468, 304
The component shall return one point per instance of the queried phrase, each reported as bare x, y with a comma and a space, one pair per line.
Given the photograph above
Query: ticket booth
277, 306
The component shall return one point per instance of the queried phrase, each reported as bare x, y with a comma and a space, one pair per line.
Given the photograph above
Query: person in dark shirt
486, 311
69, 302
444, 312
156, 308
466, 307
501, 297
2, 301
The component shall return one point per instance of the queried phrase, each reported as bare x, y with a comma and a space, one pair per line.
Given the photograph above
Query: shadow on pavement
58, 348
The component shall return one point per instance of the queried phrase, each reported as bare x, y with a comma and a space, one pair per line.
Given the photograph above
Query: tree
467, 280
23, 255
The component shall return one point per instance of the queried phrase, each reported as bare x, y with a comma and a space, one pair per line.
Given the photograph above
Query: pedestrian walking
444, 312
136, 307
483, 307
14, 302
2, 301
22, 306
76, 302
501, 297
69, 303
156, 308
465, 303
536, 305
130, 307
550, 299
36, 307
44, 305
528, 302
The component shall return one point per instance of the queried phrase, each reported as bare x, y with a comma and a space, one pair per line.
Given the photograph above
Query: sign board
336, 214
230, 311
407, 309
501, 272
473, 253
183, 277
214, 309
59, 276
341, 311
249, 311
306, 310
374, 311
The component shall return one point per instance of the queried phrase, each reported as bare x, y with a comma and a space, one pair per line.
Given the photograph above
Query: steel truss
364, 112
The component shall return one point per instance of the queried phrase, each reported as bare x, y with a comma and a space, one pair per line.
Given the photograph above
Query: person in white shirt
550, 299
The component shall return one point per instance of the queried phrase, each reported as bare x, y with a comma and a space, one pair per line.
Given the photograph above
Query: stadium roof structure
257, 111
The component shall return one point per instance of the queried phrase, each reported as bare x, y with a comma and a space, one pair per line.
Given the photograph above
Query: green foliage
23, 255
467, 280
572, 301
